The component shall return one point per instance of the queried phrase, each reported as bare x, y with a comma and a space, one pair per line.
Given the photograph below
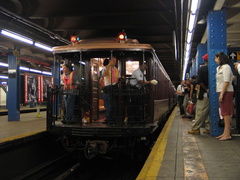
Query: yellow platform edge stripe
154, 161
21, 136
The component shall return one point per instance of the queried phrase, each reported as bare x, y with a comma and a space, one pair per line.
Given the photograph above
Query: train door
94, 89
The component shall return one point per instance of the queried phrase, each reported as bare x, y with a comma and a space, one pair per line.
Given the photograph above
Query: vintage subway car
89, 134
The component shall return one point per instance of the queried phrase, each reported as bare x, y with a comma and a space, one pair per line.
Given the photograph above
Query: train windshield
84, 62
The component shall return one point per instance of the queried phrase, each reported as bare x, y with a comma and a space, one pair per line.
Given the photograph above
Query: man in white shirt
138, 79
180, 95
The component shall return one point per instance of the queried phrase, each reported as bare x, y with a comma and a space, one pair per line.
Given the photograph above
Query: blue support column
190, 71
217, 41
201, 51
194, 67
56, 78
13, 95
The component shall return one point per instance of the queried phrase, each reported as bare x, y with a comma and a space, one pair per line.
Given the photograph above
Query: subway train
90, 136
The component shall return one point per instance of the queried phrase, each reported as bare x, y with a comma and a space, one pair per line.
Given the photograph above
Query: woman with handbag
224, 88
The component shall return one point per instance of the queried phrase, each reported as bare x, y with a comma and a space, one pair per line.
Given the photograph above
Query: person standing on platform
225, 90
180, 97
202, 108
186, 87
107, 104
111, 76
193, 91
70, 83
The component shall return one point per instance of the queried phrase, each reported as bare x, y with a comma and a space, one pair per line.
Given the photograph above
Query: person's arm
106, 72
226, 78
63, 82
144, 82
224, 89
203, 87
191, 91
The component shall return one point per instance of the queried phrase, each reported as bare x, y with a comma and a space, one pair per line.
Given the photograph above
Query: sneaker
206, 132
194, 132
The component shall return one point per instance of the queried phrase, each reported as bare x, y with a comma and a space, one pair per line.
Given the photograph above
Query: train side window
131, 66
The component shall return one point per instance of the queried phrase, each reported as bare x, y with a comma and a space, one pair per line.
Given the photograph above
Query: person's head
221, 58
143, 66
66, 68
113, 61
187, 81
105, 62
205, 58
193, 78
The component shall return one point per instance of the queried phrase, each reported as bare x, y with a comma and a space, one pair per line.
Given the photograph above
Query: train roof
100, 44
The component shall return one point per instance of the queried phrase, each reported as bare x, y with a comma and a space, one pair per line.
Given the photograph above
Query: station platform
29, 124
24, 109
178, 155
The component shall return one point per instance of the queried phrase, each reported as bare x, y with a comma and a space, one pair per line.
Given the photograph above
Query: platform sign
234, 55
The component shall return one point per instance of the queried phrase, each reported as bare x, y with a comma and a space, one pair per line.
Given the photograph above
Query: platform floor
178, 155
29, 124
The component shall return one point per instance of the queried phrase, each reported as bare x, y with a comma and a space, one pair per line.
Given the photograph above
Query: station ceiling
155, 22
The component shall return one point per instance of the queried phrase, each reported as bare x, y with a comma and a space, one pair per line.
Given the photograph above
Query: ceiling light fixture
192, 16
17, 36
3, 64
42, 46
3, 77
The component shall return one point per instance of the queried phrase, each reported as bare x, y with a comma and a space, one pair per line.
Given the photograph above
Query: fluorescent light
17, 36
189, 37
191, 23
194, 6
3, 77
23, 68
190, 30
34, 70
3, 64
47, 73
43, 46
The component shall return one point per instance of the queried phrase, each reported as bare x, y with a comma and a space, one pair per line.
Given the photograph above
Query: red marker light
121, 37
73, 38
